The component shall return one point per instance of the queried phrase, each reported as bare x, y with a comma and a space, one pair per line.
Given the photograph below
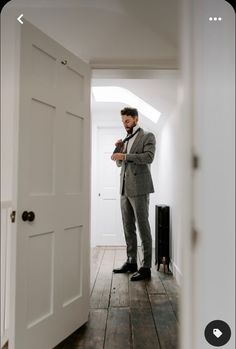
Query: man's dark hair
129, 111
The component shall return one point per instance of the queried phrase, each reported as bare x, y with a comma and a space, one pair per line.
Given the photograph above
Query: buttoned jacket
135, 170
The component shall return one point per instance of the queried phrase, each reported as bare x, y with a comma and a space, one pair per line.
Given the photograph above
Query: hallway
124, 314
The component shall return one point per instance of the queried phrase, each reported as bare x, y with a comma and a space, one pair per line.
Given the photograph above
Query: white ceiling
159, 92
128, 33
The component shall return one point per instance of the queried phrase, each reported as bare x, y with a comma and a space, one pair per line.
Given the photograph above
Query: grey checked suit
135, 186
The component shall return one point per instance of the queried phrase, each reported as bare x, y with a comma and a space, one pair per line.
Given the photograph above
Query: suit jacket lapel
136, 141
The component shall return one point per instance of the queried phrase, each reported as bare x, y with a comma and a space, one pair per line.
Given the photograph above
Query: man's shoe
141, 274
126, 268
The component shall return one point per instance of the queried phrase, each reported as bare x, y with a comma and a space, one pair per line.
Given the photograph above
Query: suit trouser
136, 209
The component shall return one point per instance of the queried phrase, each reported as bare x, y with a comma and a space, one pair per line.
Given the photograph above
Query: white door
109, 228
52, 251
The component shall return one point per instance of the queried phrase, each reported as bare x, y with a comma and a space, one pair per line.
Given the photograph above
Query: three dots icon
215, 19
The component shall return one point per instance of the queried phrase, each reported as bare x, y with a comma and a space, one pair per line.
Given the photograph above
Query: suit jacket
135, 171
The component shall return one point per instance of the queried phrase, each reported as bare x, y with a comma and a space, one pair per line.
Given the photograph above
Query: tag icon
217, 332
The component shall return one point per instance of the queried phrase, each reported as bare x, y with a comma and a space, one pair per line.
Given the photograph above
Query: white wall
208, 68
10, 59
173, 162
6, 250
10, 51
214, 182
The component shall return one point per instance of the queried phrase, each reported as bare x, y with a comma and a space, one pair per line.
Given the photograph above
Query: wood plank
155, 285
118, 333
120, 283
165, 320
174, 300
127, 314
138, 294
165, 276
171, 285
101, 292
89, 336
97, 254
143, 329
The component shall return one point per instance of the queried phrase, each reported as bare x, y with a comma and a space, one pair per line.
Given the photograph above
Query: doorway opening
159, 88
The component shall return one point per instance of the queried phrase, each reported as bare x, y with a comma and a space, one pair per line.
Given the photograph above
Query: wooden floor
124, 314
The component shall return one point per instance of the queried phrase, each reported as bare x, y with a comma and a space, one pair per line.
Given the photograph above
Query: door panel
74, 153
41, 164
109, 227
72, 270
40, 285
52, 252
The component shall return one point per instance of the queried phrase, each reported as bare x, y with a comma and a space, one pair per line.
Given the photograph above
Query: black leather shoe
126, 268
141, 274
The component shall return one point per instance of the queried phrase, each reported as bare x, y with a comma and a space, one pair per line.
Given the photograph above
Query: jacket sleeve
147, 156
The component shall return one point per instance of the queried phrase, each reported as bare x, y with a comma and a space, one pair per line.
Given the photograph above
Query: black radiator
162, 230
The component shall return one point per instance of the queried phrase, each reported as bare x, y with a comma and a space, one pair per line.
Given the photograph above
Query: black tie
120, 146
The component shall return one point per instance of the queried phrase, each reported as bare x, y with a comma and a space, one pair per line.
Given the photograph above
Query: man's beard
130, 131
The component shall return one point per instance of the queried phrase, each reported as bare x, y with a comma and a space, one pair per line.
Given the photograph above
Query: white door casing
109, 228
52, 252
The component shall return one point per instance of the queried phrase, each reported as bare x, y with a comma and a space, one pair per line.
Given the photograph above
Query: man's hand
118, 156
117, 142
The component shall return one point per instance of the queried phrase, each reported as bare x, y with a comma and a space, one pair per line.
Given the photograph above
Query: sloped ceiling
160, 92
110, 33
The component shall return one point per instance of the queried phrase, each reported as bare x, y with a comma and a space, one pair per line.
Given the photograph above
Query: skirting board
176, 272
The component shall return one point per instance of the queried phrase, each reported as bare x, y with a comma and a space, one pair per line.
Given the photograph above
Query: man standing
134, 155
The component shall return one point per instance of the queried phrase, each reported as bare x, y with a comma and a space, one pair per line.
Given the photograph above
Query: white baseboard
176, 272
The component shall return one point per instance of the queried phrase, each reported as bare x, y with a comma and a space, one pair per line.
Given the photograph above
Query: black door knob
31, 216
28, 216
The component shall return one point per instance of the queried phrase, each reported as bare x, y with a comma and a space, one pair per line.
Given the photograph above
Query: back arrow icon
19, 18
